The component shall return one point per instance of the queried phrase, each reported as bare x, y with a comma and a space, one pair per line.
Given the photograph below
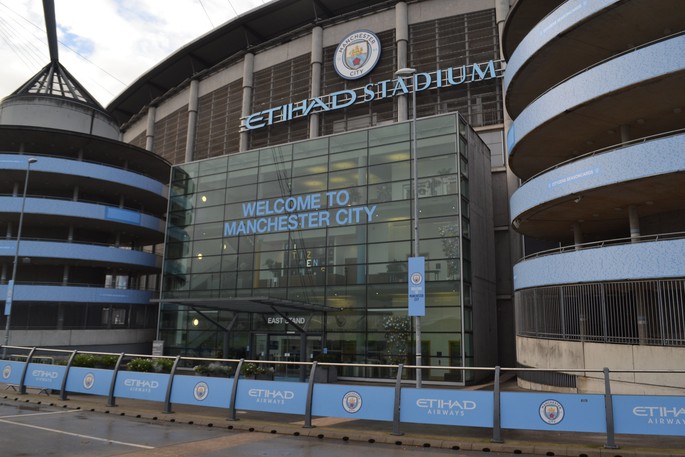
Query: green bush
252, 369
213, 369
106, 361
84, 360
143, 365
163, 365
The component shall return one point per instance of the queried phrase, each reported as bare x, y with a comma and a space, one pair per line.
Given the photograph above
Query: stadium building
291, 212
595, 90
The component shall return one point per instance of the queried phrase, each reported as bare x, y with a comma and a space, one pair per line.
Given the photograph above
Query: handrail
604, 243
146, 249
68, 352
612, 148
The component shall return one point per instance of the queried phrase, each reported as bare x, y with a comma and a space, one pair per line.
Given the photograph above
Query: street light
409, 73
10, 285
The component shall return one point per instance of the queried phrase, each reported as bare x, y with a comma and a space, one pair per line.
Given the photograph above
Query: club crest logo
357, 54
352, 402
88, 381
6, 372
201, 391
416, 278
551, 412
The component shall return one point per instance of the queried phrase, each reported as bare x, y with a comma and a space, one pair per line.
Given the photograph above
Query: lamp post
409, 73
10, 285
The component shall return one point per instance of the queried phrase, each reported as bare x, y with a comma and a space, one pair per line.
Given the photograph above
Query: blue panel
142, 386
85, 169
45, 376
202, 391
78, 294
554, 412
636, 67
648, 260
649, 415
651, 158
67, 208
277, 397
122, 215
565, 17
92, 381
354, 402
65, 250
416, 285
447, 407
11, 371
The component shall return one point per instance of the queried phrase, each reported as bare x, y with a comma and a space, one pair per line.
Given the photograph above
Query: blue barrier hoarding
553, 411
446, 407
202, 391
91, 381
45, 376
355, 402
11, 371
642, 415
142, 386
270, 396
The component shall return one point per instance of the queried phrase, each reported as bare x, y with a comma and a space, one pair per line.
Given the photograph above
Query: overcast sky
105, 44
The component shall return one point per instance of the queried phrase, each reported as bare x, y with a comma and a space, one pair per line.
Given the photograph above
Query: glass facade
326, 221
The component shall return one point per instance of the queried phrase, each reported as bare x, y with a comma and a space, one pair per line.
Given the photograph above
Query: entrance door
285, 348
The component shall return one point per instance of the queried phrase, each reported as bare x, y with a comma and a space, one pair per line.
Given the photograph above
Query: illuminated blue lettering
399, 84
316, 101
427, 81
352, 98
257, 117
369, 93
450, 77
476, 70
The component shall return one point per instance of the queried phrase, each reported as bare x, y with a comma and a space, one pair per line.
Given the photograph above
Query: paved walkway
449, 437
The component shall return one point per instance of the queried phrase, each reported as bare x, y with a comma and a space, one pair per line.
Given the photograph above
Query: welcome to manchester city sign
355, 57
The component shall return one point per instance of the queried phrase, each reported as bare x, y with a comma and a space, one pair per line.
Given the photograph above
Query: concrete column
150, 133
625, 133
634, 220
315, 91
65, 275
402, 40
248, 81
577, 235
193, 101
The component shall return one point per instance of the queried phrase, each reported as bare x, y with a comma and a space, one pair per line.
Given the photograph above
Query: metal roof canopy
260, 305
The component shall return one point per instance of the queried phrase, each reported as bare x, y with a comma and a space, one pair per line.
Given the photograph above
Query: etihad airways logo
661, 415
442, 407
272, 397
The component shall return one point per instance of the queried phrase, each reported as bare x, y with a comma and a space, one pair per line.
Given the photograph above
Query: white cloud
121, 39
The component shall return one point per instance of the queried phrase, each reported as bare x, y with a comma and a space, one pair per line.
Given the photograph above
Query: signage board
416, 279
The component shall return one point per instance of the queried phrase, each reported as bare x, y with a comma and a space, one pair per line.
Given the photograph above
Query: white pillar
248, 81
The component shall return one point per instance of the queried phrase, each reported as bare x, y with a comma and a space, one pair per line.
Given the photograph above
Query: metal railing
500, 408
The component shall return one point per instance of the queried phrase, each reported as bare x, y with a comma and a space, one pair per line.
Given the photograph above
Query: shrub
143, 365
252, 369
106, 361
84, 360
213, 369
163, 365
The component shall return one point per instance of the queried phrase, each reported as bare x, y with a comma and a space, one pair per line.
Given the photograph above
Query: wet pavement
362, 431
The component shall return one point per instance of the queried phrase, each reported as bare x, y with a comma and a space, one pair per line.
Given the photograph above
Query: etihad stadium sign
452, 76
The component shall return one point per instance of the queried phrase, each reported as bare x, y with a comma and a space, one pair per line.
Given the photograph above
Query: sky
105, 44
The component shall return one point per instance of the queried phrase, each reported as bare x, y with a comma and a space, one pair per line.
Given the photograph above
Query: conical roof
55, 81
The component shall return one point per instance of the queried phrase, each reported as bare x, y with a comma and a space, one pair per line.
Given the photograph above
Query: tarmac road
39, 430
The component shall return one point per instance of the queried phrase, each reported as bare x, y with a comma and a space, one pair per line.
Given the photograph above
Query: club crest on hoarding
551, 412
6, 371
88, 381
201, 391
357, 54
352, 402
